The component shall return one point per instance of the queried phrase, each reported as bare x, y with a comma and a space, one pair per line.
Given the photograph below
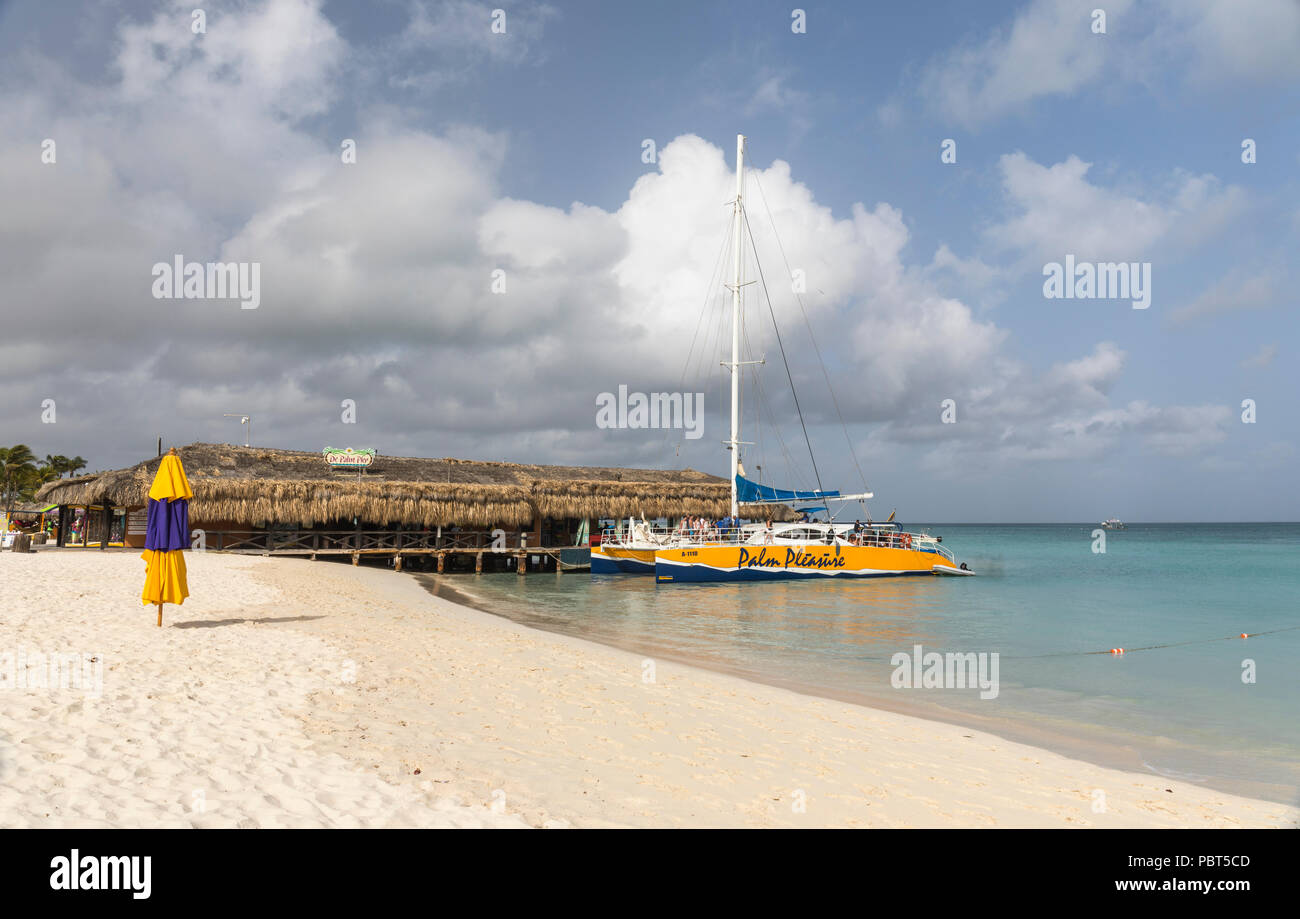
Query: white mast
734, 443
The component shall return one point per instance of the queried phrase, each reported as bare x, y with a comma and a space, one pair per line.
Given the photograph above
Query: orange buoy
1244, 635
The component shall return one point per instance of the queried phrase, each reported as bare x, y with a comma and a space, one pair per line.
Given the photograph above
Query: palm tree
57, 462
16, 462
74, 465
32, 478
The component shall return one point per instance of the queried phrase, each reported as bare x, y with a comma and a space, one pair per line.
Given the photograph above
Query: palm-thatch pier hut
445, 513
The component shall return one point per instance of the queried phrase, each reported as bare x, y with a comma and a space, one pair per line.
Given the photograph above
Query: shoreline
1096, 749
302, 694
633, 661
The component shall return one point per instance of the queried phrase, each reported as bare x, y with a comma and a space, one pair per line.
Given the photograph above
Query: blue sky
524, 151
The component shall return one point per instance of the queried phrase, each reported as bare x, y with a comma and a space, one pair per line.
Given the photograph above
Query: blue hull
700, 574
603, 565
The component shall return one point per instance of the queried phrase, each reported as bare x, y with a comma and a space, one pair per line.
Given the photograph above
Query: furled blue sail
748, 492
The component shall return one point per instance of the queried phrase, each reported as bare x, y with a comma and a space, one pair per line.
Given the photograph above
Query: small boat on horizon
1113, 523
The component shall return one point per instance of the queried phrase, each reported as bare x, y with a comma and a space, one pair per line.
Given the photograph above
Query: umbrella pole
160, 614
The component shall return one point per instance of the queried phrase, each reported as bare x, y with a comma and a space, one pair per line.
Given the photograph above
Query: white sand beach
289, 693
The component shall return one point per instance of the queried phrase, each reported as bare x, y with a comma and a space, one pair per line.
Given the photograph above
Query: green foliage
23, 474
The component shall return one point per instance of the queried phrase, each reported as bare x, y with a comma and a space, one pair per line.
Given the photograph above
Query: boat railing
643, 535
638, 536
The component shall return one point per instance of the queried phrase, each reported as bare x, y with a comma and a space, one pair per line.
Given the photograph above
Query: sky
539, 198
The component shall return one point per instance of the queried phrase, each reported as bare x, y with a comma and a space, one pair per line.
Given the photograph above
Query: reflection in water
1041, 592
726, 626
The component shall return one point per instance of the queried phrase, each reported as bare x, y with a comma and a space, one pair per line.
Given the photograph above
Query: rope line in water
1172, 644
1119, 651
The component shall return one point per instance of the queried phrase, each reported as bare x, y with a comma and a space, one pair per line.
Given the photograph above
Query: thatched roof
259, 486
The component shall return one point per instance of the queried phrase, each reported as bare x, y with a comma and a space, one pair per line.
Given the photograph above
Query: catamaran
730, 550
629, 547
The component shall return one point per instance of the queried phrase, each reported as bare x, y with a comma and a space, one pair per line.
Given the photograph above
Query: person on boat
767, 532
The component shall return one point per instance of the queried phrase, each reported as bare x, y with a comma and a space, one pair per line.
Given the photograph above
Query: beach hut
37, 520
272, 501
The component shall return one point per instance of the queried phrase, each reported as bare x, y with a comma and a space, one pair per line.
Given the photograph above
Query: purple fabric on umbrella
169, 525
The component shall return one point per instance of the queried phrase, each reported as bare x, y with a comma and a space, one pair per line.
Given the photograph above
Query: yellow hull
741, 563
622, 560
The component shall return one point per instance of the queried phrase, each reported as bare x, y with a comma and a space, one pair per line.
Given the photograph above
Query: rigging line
834, 401
704, 312
708, 359
793, 474
756, 397
699, 321
765, 406
788, 375
710, 362
704, 308
711, 344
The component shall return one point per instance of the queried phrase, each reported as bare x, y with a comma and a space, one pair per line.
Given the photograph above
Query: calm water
1182, 712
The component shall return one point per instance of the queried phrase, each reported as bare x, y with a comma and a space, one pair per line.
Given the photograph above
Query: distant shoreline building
415, 511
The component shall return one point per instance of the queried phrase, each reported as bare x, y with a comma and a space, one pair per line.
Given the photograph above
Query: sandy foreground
289, 693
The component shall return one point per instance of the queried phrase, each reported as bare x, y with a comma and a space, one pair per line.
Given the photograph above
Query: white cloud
1256, 41
1055, 210
377, 278
277, 57
972, 276
1261, 358
1062, 414
1049, 50
1236, 293
773, 94
444, 40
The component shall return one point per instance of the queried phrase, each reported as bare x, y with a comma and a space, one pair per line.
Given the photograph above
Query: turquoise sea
1042, 601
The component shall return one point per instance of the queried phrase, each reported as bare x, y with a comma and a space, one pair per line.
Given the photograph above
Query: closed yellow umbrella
167, 535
